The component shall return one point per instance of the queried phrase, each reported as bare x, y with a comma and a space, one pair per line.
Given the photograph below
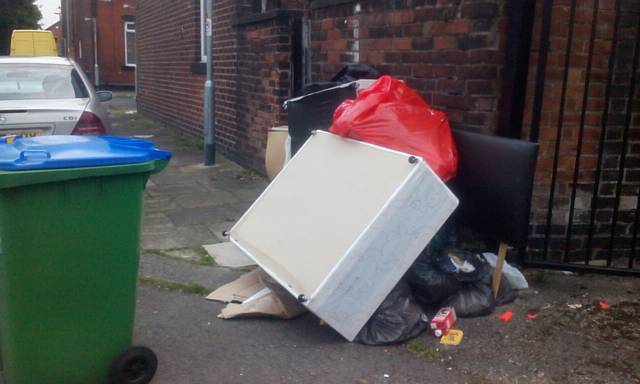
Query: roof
56, 24
35, 60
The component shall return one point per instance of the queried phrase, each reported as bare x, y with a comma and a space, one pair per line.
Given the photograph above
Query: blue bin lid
66, 151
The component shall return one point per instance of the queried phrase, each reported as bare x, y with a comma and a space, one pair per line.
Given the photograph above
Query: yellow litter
454, 337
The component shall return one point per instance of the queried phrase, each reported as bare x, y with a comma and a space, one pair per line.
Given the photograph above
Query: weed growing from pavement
203, 257
196, 289
188, 141
246, 174
419, 349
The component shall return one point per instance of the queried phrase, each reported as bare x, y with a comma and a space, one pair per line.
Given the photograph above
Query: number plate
23, 133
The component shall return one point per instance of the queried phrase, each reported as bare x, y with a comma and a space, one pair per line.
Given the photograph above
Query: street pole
209, 102
96, 68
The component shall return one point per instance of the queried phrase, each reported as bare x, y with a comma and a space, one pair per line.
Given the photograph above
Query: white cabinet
341, 224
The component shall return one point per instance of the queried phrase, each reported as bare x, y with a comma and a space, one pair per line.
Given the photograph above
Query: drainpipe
67, 16
209, 107
96, 68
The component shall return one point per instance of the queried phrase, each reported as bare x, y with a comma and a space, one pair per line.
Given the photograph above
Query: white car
49, 96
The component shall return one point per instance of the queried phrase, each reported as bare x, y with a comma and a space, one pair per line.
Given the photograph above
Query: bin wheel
134, 365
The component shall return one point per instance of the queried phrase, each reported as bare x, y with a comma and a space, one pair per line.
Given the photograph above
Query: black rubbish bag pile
438, 278
459, 279
397, 319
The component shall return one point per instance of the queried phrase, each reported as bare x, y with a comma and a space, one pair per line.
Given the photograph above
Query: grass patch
201, 255
246, 174
204, 256
185, 140
196, 289
419, 349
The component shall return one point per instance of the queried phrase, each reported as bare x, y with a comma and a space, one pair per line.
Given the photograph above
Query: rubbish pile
351, 228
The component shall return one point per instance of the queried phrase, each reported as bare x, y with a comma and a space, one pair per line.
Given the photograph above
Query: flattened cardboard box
341, 224
255, 294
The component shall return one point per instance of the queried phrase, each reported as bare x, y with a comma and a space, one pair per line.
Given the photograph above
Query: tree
16, 14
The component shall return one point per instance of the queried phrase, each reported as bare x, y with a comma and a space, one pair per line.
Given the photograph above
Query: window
130, 43
40, 81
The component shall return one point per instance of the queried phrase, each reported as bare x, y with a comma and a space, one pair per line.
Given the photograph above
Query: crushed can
443, 321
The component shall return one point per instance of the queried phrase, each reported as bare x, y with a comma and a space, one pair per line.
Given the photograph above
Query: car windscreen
40, 81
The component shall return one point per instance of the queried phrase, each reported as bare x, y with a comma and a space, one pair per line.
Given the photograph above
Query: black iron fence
583, 106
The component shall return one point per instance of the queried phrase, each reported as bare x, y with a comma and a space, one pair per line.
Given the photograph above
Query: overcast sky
48, 8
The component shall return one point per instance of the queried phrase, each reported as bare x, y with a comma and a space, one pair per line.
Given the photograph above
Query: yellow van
29, 42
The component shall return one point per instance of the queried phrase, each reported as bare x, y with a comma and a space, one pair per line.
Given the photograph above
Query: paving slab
209, 199
204, 215
229, 255
170, 190
177, 236
167, 269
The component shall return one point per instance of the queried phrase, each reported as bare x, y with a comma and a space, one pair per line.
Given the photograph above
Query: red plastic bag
391, 115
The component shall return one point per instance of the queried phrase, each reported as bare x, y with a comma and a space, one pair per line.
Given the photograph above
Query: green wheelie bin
70, 224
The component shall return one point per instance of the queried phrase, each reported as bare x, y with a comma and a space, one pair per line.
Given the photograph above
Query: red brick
437, 27
334, 34
403, 17
403, 43
480, 87
327, 24
445, 42
333, 57
452, 102
458, 26
450, 86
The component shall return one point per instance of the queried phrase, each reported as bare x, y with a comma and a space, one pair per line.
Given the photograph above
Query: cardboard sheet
255, 294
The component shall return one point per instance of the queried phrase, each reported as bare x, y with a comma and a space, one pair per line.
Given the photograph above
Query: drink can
443, 321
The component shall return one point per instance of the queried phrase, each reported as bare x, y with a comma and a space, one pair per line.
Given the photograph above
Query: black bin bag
429, 282
473, 299
398, 319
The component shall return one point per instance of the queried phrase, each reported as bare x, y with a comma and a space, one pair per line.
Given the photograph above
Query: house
57, 35
100, 35
560, 73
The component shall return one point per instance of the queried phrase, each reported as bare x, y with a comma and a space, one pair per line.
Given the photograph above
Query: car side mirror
104, 96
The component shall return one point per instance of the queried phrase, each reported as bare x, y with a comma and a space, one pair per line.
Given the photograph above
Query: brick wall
570, 132
111, 49
251, 59
451, 52
168, 43
264, 78
80, 32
